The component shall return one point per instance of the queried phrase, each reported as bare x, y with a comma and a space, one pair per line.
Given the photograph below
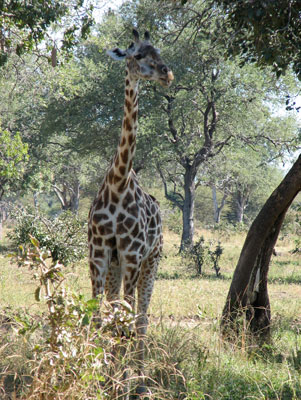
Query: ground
184, 325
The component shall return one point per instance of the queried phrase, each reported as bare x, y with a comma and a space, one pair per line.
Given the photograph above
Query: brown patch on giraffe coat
132, 184
132, 259
135, 231
97, 241
141, 236
98, 253
117, 161
106, 197
127, 124
111, 242
152, 223
128, 199
112, 209
122, 186
121, 229
89, 234
128, 105
111, 176
129, 222
117, 178
123, 141
93, 269
124, 242
114, 197
135, 246
99, 203
133, 210
114, 255
122, 170
134, 116
131, 93
97, 218
105, 229
94, 230
124, 156
131, 138
120, 218
127, 82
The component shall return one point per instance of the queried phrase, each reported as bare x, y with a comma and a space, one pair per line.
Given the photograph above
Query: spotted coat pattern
124, 230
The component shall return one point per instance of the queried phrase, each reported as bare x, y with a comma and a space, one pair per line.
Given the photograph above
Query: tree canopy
25, 24
265, 32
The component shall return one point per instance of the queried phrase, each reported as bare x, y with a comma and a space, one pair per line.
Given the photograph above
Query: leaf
34, 241
85, 320
37, 294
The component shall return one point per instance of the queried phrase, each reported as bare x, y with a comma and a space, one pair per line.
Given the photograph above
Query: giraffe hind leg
145, 288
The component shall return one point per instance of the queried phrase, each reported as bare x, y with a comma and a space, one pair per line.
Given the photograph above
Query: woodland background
211, 148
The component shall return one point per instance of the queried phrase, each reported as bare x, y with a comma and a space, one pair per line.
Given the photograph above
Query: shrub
201, 255
63, 236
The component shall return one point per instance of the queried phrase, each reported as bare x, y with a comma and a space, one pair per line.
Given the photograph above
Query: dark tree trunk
188, 209
248, 292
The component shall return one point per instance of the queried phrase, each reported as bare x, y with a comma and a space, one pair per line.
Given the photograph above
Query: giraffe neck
123, 160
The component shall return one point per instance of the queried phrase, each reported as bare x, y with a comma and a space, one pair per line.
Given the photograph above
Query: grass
187, 359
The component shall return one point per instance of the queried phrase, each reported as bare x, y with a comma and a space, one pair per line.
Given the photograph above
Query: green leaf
34, 241
37, 294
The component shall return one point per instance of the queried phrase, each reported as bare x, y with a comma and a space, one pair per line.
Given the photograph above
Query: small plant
64, 236
297, 248
201, 255
74, 359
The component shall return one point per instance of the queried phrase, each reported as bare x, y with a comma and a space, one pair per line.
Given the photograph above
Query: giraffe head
144, 61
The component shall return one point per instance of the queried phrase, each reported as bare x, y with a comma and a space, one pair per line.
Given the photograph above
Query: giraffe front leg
145, 289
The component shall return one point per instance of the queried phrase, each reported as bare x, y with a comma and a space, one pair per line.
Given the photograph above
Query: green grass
187, 358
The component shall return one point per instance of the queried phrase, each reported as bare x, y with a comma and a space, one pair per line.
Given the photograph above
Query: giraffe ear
117, 54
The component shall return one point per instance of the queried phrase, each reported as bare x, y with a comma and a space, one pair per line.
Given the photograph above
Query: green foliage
23, 25
72, 352
13, 156
64, 236
201, 255
266, 32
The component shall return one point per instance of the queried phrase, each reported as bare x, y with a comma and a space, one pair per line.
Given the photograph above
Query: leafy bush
64, 236
201, 255
69, 356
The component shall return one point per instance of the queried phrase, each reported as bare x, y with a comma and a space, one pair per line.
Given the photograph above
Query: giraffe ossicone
125, 232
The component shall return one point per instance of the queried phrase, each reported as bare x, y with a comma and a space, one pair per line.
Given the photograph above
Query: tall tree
212, 103
248, 293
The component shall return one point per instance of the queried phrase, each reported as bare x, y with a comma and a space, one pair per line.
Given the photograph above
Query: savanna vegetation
212, 148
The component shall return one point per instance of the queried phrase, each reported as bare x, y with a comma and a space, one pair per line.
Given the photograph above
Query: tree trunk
240, 206
68, 196
217, 209
188, 209
247, 294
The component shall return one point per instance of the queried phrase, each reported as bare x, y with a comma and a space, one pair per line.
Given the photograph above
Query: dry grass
186, 358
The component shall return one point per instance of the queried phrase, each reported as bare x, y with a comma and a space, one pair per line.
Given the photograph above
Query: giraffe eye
138, 57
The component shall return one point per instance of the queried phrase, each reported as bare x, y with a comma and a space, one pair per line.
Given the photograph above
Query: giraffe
124, 230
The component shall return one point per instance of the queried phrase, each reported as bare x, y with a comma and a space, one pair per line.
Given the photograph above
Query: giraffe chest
132, 219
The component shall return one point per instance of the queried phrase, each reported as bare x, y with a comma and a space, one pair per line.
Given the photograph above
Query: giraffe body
124, 230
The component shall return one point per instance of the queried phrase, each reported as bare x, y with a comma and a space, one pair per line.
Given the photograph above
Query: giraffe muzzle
166, 82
